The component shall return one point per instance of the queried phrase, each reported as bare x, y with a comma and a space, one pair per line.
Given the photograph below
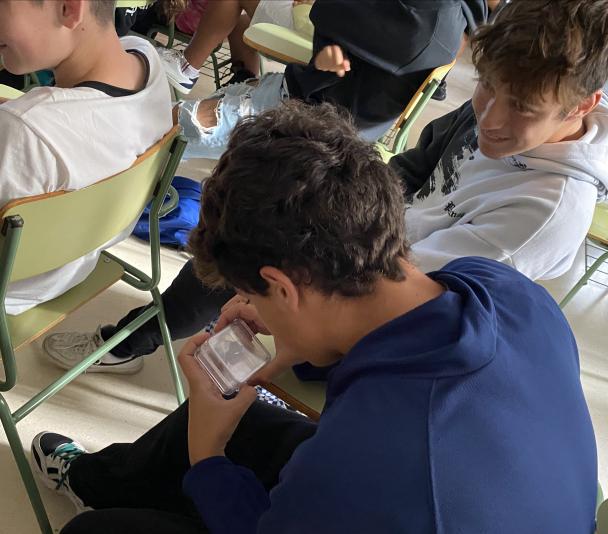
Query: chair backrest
278, 43
599, 226
62, 226
417, 104
436, 75
9, 92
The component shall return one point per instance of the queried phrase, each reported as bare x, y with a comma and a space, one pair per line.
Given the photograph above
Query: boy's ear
281, 288
586, 106
72, 12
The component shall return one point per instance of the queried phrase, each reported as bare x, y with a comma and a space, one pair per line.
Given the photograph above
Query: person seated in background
230, 19
111, 103
447, 395
372, 70
512, 176
141, 18
515, 173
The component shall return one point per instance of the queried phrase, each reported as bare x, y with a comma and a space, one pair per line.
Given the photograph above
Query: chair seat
278, 43
599, 226
28, 326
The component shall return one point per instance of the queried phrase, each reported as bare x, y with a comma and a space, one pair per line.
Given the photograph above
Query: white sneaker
67, 349
50, 457
180, 73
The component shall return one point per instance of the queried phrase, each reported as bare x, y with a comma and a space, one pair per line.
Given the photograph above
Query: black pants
189, 306
138, 487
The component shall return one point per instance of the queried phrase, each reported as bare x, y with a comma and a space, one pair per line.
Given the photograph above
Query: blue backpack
175, 227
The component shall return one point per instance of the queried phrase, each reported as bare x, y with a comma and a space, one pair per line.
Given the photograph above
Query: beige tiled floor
98, 410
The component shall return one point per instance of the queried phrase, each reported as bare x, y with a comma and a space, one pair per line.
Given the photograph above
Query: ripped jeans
235, 102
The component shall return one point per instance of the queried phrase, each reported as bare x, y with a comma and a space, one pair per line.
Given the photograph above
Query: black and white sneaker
180, 73
51, 456
66, 349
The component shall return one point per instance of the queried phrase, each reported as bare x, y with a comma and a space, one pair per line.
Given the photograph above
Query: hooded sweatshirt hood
531, 211
585, 159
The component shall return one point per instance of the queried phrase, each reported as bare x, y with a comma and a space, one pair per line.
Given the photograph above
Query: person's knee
207, 112
85, 523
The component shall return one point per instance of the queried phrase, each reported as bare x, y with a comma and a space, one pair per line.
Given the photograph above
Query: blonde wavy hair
171, 8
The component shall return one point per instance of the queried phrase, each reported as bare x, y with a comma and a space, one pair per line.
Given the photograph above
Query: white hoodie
531, 211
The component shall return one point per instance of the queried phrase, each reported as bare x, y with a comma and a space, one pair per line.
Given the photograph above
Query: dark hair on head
541, 46
299, 190
102, 10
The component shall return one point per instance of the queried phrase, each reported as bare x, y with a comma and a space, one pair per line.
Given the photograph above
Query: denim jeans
235, 102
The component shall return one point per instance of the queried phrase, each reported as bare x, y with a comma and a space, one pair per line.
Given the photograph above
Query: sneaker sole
133, 366
47, 482
177, 85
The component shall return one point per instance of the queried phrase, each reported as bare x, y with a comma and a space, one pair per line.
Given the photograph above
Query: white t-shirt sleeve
27, 165
519, 234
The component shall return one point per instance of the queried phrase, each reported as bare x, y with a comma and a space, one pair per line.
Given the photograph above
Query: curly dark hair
299, 190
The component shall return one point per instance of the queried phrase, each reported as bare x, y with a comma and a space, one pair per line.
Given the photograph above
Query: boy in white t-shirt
111, 103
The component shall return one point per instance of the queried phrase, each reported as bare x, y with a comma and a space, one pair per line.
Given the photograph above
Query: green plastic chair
287, 46
278, 43
30, 81
45, 232
9, 92
396, 140
133, 3
597, 237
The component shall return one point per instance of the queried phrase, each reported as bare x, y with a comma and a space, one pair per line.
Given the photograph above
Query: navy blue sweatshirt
465, 415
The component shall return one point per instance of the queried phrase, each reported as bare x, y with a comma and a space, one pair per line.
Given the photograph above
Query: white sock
189, 70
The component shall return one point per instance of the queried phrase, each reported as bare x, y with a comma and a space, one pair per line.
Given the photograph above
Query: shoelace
169, 53
65, 453
88, 345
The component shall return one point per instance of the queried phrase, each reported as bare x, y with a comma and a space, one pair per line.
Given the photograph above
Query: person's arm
229, 498
533, 234
416, 165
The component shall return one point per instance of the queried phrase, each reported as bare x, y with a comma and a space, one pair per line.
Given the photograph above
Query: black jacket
392, 46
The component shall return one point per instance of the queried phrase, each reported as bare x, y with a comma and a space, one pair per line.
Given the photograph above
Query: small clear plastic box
232, 356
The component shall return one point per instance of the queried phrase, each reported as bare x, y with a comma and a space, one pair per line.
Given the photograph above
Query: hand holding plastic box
232, 356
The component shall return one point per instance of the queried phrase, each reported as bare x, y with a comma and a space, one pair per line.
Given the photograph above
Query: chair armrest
278, 43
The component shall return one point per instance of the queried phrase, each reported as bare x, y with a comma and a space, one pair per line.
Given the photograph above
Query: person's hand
212, 418
331, 58
239, 307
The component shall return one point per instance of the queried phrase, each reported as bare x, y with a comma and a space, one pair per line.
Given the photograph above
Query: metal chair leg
24, 467
166, 335
584, 279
